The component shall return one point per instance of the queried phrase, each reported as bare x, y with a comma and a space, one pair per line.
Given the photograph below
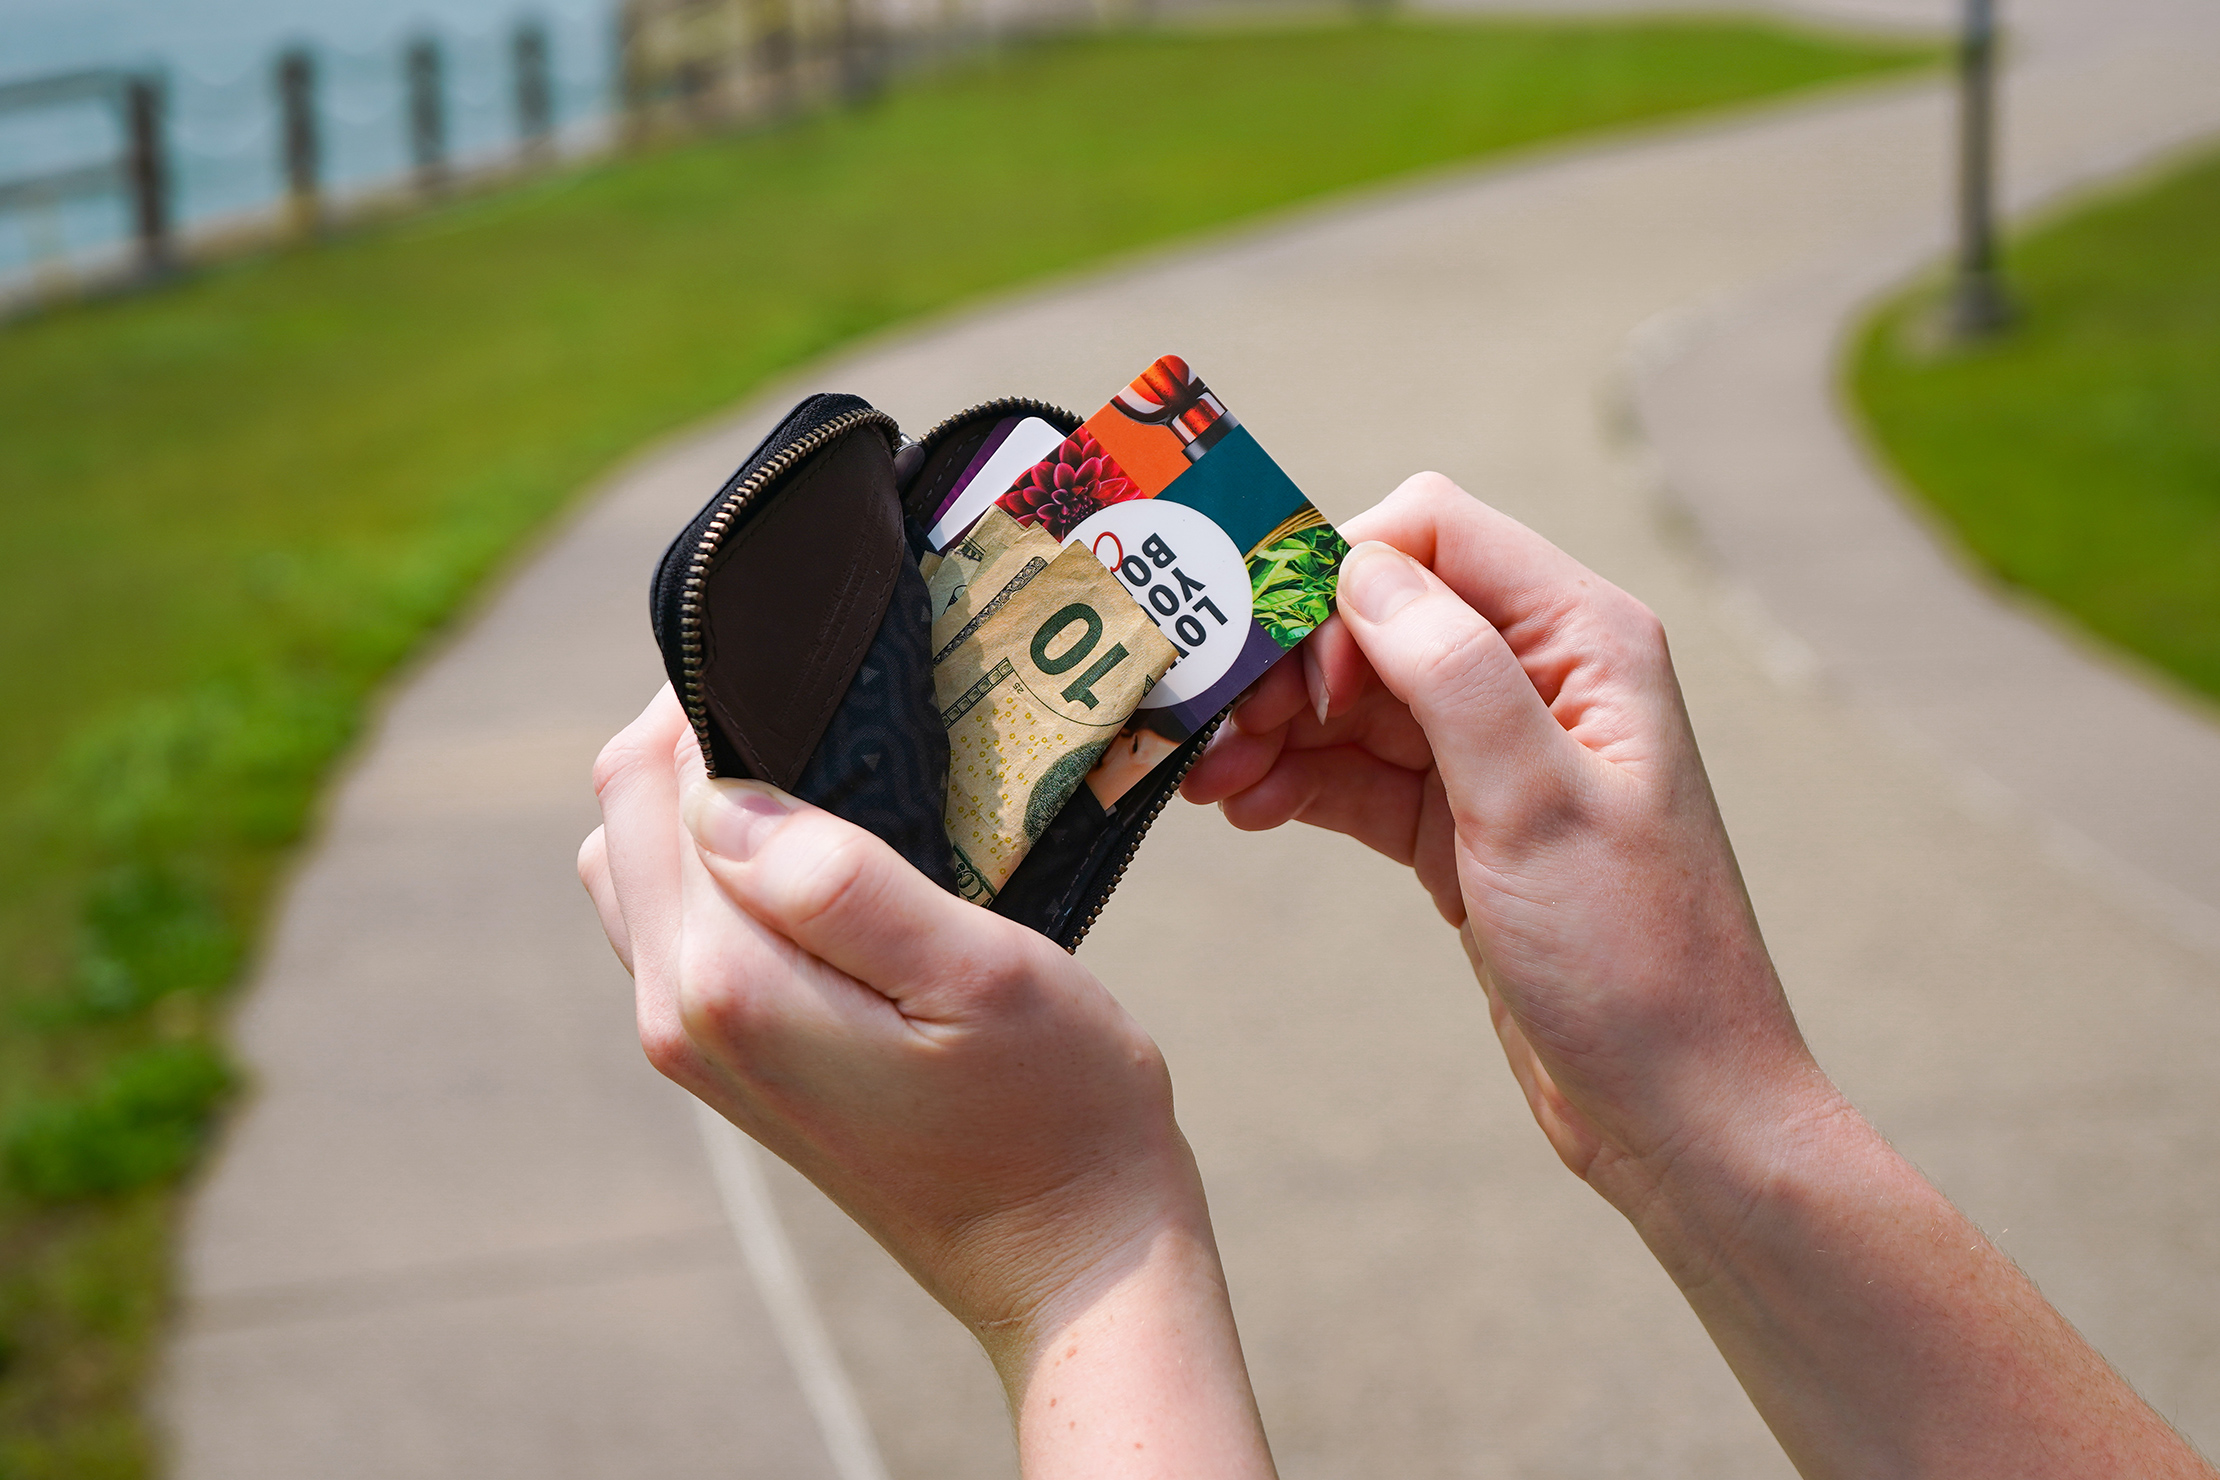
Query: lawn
2078, 456
229, 508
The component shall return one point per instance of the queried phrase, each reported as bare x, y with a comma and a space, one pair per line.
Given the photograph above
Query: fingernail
1377, 581
733, 818
1314, 679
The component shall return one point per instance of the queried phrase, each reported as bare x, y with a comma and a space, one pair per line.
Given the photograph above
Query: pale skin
1507, 724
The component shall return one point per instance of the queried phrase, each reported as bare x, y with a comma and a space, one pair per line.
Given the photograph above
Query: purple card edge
987, 449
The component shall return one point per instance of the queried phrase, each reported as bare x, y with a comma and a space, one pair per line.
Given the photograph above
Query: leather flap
791, 604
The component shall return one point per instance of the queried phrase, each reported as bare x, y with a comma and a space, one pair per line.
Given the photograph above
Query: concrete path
464, 1231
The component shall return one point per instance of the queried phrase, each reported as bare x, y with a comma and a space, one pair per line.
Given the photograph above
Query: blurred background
356, 360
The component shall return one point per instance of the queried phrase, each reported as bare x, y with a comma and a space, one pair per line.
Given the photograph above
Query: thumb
841, 894
1495, 742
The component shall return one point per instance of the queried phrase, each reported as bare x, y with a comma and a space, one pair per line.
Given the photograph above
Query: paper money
955, 566
1039, 658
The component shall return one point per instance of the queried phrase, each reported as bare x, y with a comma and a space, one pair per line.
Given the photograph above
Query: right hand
1508, 723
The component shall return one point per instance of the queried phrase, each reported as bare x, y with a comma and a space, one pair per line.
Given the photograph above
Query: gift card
1219, 547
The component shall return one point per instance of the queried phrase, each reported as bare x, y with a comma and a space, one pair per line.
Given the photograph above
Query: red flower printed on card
1077, 480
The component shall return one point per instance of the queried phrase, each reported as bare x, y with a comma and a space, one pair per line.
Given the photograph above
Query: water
216, 58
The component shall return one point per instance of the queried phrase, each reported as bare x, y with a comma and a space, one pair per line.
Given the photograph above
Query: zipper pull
909, 456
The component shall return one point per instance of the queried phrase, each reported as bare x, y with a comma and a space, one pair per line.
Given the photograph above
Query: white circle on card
1186, 574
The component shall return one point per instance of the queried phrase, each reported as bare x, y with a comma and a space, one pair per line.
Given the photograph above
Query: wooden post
535, 88
427, 113
1978, 304
147, 164
302, 154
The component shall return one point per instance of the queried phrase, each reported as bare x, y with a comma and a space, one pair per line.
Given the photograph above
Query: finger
1334, 669
1344, 789
1507, 572
1587, 646
636, 779
1501, 754
761, 1005
847, 898
593, 872
1233, 762
1273, 700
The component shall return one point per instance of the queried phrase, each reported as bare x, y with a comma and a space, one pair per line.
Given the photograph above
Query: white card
1029, 441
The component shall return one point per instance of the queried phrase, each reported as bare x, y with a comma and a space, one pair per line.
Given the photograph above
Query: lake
216, 58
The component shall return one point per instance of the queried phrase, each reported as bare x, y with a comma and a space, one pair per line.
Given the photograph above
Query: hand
961, 1087
1507, 723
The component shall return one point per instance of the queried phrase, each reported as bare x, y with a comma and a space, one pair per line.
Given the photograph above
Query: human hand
966, 1091
1507, 723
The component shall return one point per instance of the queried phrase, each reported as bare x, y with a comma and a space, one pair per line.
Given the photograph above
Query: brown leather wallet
794, 625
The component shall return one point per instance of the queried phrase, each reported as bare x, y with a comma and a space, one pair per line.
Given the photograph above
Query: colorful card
1218, 545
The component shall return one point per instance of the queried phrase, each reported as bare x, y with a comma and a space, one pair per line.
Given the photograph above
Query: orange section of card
1151, 456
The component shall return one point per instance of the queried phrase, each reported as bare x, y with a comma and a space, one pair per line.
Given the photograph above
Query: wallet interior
793, 621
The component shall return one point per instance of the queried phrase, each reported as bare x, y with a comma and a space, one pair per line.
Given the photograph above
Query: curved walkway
464, 1231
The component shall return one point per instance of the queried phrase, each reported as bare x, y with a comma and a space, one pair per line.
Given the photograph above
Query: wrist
1131, 1363
1706, 1191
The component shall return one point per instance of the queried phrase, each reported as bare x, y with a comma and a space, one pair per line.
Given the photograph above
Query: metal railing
139, 170
313, 94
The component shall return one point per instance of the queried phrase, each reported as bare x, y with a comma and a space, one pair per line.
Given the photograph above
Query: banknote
1039, 658
954, 567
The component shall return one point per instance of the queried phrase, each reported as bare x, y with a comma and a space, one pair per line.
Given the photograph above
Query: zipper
1047, 411
736, 503
1196, 747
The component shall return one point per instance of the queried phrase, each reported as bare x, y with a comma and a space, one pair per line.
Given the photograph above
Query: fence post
302, 154
1978, 305
535, 90
855, 58
777, 55
427, 113
147, 163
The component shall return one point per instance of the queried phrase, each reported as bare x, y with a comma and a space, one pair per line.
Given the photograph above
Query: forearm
1140, 1375
1875, 1328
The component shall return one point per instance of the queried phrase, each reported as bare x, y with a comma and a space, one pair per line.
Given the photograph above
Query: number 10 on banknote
1221, 550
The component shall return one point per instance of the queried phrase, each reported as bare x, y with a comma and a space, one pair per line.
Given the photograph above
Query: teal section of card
1239, 486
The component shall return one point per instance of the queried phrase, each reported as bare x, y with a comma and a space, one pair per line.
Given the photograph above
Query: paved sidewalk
465, 1232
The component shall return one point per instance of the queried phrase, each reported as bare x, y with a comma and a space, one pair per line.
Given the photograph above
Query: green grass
229, 508
2078, 457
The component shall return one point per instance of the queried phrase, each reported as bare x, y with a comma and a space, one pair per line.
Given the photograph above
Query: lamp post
1978, 305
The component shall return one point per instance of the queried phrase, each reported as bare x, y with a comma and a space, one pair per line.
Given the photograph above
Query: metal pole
427, 113
535, 90
1978, 305
302, 151
148, 166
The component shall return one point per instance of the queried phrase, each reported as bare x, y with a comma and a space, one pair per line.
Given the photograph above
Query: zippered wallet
794, 623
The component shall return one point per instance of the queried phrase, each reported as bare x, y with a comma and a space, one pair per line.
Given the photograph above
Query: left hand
967, 1091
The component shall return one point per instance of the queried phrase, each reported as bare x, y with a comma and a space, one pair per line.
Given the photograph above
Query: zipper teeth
697, 569
1046, 410
1141, 830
